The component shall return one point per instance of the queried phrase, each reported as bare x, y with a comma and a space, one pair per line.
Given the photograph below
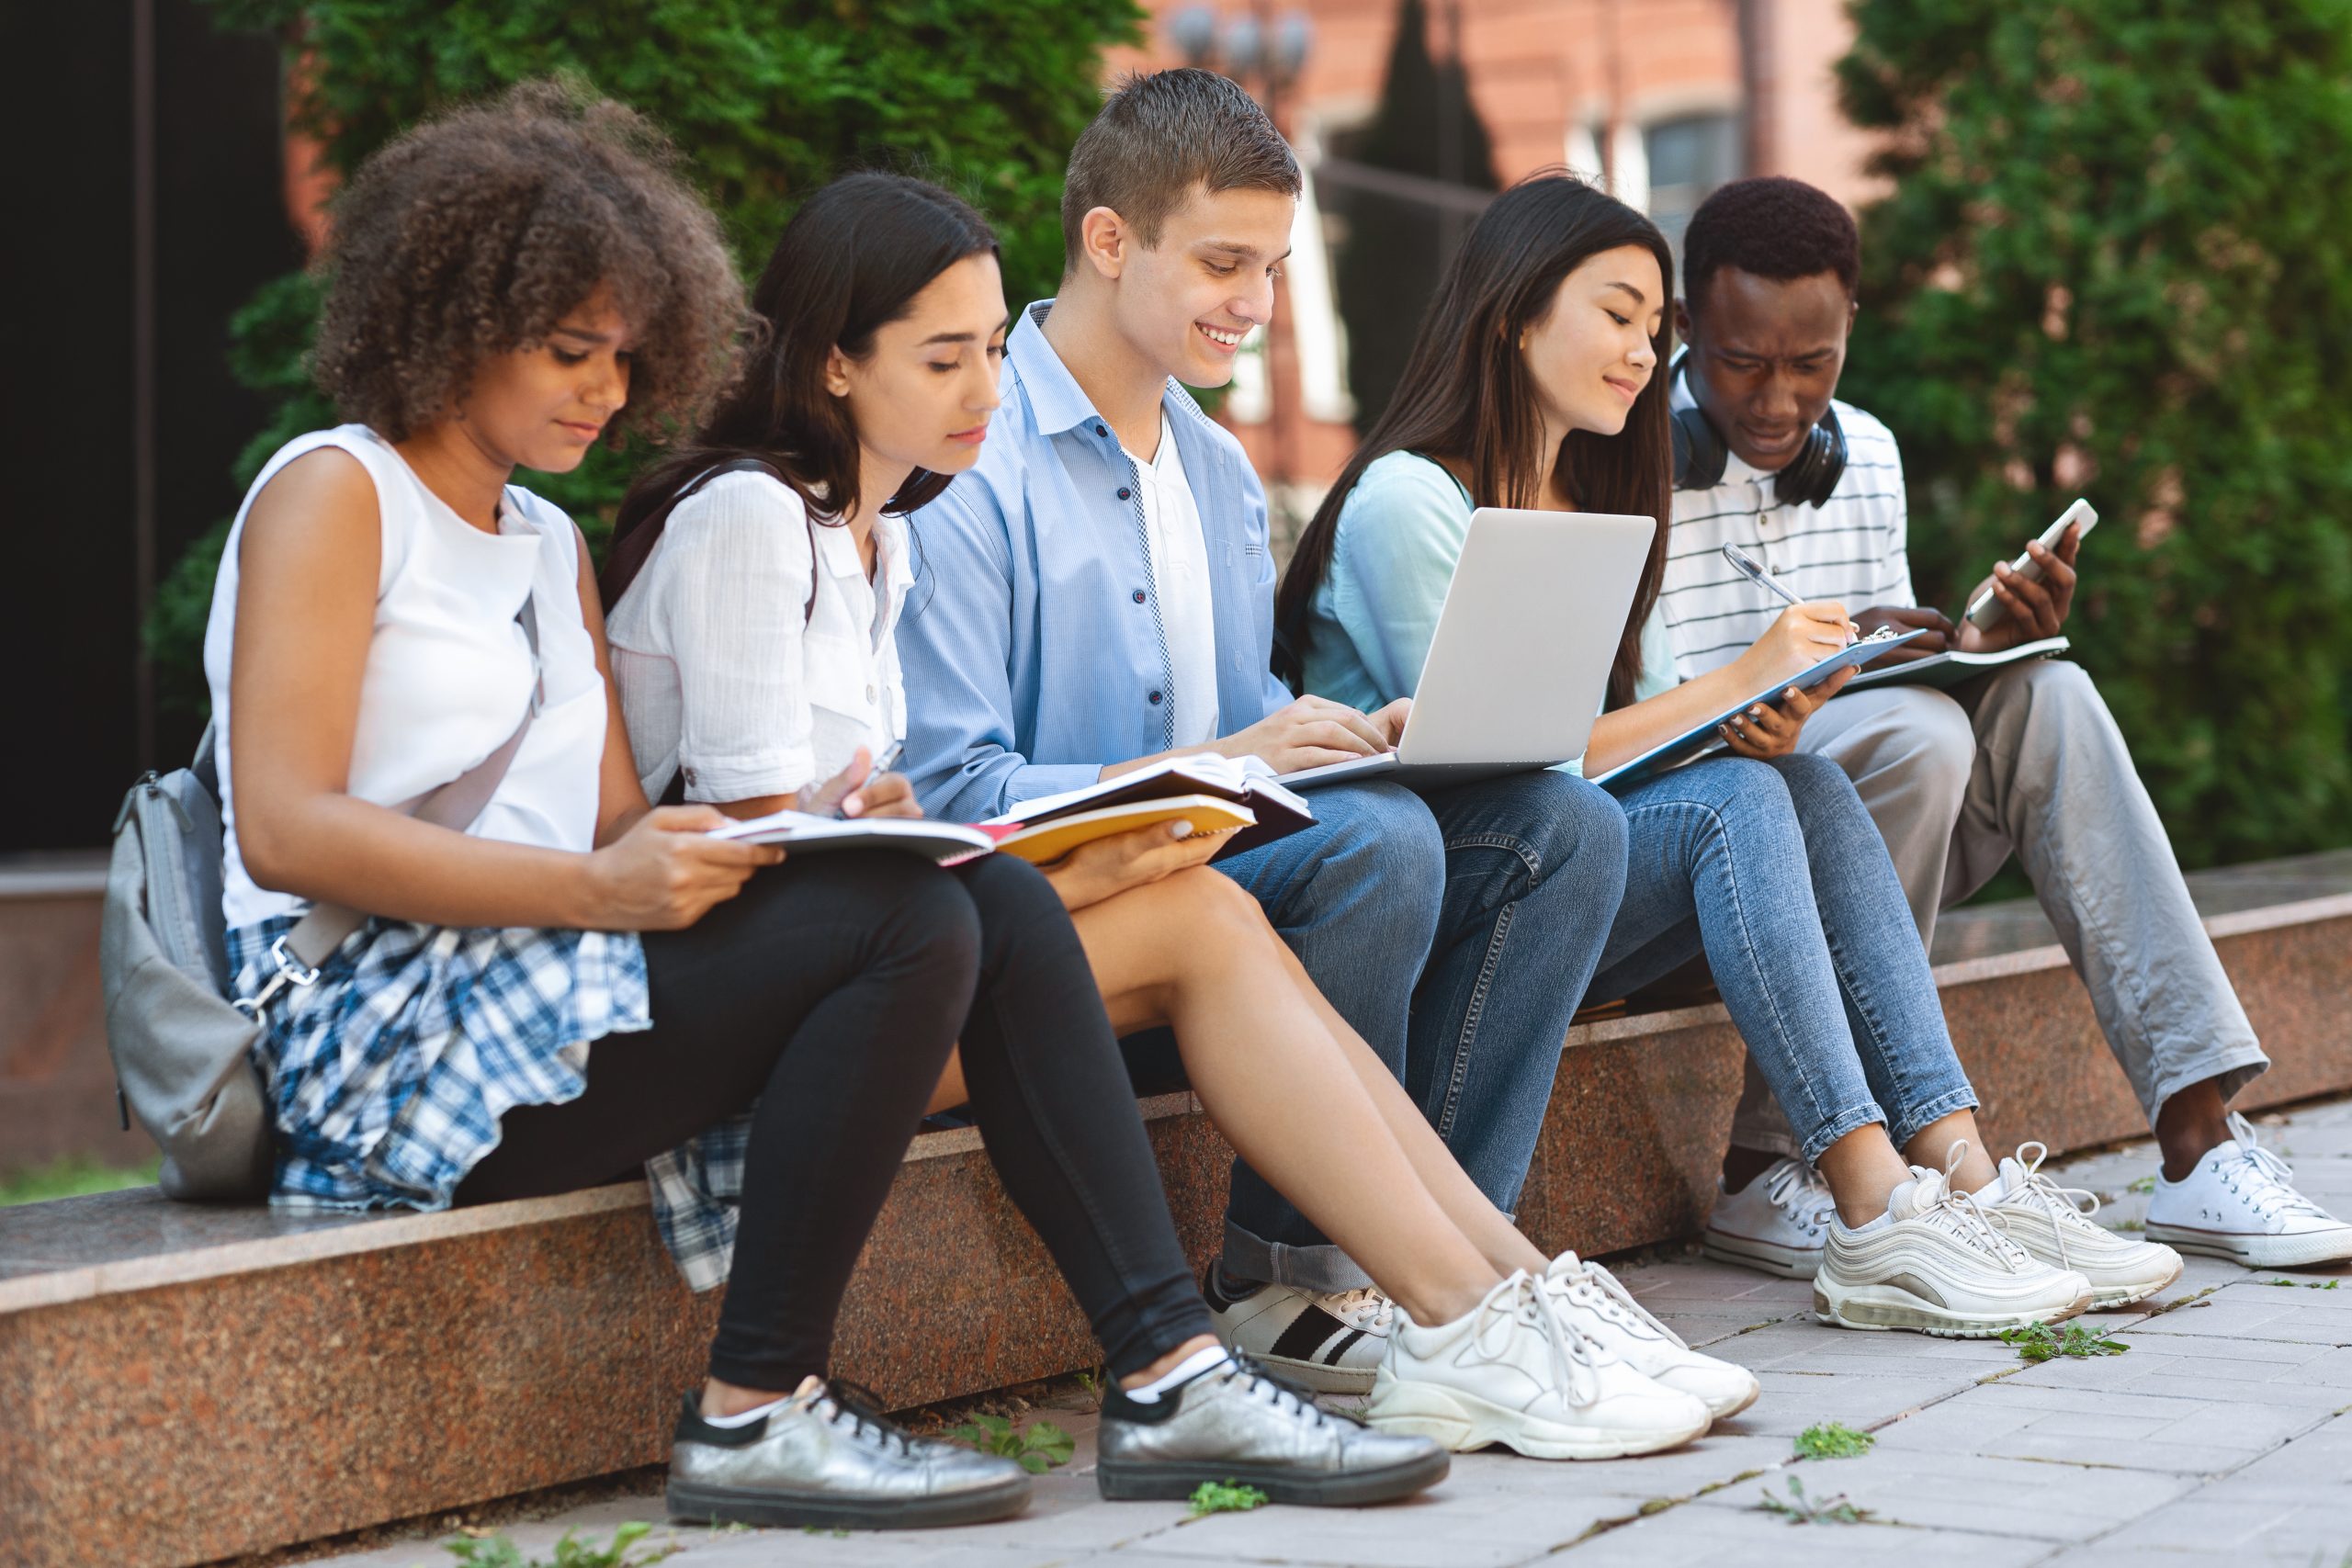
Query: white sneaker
1329, 1343
1516, 1371
2053, 1222
1600, 1306
2240, 1204
1933, 1264
1776, 1222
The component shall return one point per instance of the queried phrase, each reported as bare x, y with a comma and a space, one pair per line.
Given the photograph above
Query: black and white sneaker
1331, 1343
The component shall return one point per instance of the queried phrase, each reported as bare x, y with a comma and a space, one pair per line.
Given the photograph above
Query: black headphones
1808, 480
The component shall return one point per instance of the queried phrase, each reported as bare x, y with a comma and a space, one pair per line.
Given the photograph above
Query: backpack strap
455, 805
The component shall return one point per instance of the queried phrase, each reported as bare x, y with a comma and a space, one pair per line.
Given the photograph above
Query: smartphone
1987, 611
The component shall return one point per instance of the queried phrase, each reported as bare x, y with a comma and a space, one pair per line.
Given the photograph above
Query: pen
882, 764
1748, 566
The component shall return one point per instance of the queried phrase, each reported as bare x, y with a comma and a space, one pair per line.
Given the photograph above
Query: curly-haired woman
579, 983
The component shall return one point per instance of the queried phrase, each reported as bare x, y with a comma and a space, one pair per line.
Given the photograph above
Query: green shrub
2117, 262
767, 98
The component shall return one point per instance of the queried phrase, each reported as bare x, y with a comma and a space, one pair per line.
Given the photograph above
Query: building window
1687, 159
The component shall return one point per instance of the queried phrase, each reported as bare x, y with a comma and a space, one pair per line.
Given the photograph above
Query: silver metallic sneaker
824, 1459
1237, 1424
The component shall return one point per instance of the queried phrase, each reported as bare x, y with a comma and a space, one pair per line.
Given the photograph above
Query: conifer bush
768, 99
2117, 262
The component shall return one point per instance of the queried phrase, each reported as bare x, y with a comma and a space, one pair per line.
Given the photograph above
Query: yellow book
1049, 842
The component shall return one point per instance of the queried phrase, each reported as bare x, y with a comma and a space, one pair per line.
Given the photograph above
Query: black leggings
831, 992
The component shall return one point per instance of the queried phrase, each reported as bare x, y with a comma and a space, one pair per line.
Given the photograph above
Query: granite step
180, 1383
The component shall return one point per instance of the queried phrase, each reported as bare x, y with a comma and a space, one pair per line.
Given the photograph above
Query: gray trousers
2030, 760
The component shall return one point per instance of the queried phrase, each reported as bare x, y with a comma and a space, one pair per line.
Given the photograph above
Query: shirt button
869, 693
1136, 595
1100, 431
1122, 492
689, 773
1155, 699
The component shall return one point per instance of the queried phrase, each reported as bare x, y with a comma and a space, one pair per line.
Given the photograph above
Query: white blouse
448, 671
719, 676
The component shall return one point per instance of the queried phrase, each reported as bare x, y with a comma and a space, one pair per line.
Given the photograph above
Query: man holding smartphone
2024, 760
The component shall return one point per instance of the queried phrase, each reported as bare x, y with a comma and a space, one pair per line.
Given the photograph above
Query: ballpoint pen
1747, 565
881, 765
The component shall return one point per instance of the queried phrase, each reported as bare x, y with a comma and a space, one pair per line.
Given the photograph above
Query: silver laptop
1519, 667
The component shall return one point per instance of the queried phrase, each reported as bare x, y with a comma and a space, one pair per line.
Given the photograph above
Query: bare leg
1193, 951
1862, 1170
2189, 1126
1932, 1144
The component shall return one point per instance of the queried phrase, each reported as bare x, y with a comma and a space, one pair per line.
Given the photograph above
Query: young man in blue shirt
1098, 592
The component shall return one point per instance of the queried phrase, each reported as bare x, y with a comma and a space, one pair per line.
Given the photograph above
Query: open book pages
800, 832
1945, 670
1045, 842
1201, 772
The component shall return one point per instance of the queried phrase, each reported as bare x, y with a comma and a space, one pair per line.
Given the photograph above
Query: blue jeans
1776, 872
1456, 934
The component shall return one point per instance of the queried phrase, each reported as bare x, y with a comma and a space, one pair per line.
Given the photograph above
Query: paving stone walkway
2224, 1434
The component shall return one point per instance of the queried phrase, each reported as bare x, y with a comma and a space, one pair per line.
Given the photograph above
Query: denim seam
1748, 942
1517, 846
1919, 1119
1894, 1061
1466, 1042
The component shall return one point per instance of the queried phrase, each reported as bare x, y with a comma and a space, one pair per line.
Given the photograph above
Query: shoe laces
1521, 1302
2263, 1179
1958, 1215
1796, 1190
1271, 1388
1591, 1286
1364, 1308
861, 1407
2070, 1208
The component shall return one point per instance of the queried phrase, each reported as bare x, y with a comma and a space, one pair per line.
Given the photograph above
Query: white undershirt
1180, 575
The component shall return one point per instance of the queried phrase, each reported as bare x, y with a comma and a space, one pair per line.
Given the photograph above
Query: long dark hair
1467, 395
851, 262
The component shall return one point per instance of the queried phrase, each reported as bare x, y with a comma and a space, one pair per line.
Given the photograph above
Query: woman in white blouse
756, 584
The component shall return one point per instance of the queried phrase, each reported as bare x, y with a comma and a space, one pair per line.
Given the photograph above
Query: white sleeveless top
448, 672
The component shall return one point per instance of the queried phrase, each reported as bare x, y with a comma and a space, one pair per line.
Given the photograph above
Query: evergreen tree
1397, 246
767, 98
2117, 262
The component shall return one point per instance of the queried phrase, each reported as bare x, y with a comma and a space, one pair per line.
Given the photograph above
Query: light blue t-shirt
1400, 531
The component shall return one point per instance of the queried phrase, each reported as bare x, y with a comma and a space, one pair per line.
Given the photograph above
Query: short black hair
1774, 227
1161, 134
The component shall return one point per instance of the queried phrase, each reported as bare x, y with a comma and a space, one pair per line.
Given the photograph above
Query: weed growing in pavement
2145, 1184
2307, 1284
498, 1552
1037, 1449
1833, 1439
2040, 1342
1800, 1510
2135, 1225
1224, 1497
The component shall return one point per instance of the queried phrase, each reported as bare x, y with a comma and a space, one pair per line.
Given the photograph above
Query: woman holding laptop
1532, 384
752, 650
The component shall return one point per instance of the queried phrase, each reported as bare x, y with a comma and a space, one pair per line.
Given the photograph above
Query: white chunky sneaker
2240, 1204
1329, 1343
1598, 1305
1516, 1371
1934, 1264
2053, 1223
1776, 1222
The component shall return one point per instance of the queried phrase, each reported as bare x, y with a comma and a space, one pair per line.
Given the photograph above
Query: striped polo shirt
1850, 549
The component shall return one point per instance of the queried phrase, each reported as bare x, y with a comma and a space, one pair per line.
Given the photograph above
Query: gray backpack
182, 1048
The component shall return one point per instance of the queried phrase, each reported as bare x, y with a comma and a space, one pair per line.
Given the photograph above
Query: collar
1056, 403
838, 551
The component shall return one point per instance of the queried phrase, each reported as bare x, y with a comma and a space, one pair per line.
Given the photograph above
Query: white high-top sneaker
2053, 1222
1600, 1306
1776, 1222
1516, 1371
1932, 1263
2240, 1204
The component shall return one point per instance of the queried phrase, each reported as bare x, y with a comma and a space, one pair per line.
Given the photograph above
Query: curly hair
475, 232
1774, 227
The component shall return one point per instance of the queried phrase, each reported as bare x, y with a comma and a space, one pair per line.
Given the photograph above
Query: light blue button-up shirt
1031, 641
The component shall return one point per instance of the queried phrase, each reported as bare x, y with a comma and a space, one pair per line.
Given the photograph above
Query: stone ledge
197, 1383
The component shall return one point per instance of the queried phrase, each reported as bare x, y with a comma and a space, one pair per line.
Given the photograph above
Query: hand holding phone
1988, 610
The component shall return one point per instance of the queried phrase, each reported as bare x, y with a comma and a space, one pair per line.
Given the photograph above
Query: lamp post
1265, 52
